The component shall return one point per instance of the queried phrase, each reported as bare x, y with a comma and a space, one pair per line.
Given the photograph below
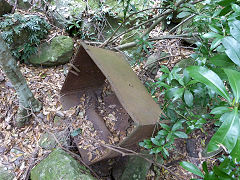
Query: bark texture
27, 102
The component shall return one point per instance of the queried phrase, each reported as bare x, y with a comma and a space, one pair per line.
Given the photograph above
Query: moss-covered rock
5, 174
60, 165
59, 51
136, 169
64, 11
5, 7
47, 140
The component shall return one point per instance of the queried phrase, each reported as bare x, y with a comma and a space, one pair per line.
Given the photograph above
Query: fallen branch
128, 152
132, 44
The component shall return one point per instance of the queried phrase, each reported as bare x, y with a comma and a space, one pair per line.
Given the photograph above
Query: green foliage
228, 133
192, 168
23, 33
228, 169
164, 139
180, 92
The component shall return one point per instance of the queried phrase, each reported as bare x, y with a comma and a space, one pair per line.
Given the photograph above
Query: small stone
2, 149
16, 151
60, 114
57, 120
47, 141
116, 139
40, 115
2, 78
5, 174
8, 84
9, 127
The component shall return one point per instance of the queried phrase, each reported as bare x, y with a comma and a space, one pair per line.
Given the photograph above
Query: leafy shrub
228, 169
23, 33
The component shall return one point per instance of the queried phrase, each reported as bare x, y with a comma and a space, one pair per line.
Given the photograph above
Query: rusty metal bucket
131, 100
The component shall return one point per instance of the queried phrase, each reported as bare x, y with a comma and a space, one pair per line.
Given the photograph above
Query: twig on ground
162, 58
128, 152
32, 164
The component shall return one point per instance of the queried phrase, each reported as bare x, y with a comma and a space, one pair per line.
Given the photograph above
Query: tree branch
132, 44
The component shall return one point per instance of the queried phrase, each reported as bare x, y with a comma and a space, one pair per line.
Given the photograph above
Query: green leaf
227, 134
225, 10
183, 14
177, 125
186, 77
165, 151
236, 8
162, 133
220, 110
76, 132
141, 144
226, 2
188, 98
164, 126
235, 29
236, 151
180, 134
209, 78
147, 146
221, 60
204, 166
215, 43
212, 35
162, 84
232, 49
221, 173
191, 168
234, 80
164, 69
175, 93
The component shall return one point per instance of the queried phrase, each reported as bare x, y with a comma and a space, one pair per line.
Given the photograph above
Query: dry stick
132, 44
129, 152
185, 20
14, 7
32, 163
164, 58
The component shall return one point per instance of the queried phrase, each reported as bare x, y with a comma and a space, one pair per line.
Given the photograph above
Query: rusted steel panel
127, 87
131, 99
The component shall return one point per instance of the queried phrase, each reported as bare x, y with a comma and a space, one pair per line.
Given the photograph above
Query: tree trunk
27, 102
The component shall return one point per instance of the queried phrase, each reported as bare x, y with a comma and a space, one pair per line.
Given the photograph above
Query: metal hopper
131, 99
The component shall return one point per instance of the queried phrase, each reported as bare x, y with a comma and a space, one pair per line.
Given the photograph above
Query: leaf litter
19, 148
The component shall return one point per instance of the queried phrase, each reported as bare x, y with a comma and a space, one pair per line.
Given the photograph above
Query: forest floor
19, 148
